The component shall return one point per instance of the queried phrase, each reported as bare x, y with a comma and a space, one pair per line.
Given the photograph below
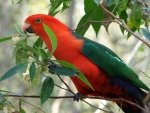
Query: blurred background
127, 49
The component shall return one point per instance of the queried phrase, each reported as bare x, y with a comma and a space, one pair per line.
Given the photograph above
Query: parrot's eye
38, 20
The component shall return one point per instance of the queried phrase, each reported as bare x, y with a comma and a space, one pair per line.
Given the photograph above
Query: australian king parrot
106, 72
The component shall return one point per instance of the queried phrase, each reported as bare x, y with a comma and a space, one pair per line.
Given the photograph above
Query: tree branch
30, 104
90, 97
122, 23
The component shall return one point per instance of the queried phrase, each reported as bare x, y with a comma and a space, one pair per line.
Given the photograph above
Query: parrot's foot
78, 96
50, 65
146, 99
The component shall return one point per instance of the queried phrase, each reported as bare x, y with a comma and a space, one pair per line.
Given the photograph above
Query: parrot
109, 76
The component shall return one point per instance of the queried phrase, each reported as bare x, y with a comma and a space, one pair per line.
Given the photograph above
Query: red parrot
106, 72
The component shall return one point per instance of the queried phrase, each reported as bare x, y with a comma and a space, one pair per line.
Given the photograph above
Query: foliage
34, 60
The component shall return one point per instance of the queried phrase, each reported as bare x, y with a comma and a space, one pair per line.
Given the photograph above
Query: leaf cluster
27, 57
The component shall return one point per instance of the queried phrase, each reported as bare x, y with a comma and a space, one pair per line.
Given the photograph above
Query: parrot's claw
52, 64
78, 96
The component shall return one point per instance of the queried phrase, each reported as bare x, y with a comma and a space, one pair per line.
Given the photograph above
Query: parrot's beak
27, 28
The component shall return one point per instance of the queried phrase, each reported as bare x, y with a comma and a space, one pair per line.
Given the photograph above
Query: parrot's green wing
110, 62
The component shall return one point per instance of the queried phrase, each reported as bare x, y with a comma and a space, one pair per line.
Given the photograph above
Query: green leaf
20, 108
16, 2
145, 33
84, 19
122, 5
66, 4
97, 1
28, 48
47, 89
97, 16
1, 98
116, 2
123, 15
37, 45
36, 79
5, 39
17, 29
44, 55
80, 74
141, 48
12, 71
89, 5
25, 53
136, 15
20, 56
32, 71
54, 7
15, 50
58, 6
52, 38
63, 71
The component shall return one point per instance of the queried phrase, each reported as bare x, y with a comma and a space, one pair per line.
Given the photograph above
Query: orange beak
27, 28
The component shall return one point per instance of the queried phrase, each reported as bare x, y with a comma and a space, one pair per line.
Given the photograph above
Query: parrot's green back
107, 60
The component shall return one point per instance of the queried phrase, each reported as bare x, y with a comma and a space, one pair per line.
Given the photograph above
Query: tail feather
131, 93
129, 109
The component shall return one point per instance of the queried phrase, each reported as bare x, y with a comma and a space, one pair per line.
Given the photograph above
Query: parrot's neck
68, 45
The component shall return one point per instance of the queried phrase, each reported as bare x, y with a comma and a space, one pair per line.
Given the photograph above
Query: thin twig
62, 87
107, 107
66, 84
13, 106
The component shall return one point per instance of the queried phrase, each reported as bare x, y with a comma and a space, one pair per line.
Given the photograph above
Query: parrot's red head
34, 24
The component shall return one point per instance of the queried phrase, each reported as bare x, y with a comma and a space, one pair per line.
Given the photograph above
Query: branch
25, 102
66, 85
122, 23
90, 97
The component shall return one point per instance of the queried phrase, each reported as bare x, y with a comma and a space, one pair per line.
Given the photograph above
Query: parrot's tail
130, 109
